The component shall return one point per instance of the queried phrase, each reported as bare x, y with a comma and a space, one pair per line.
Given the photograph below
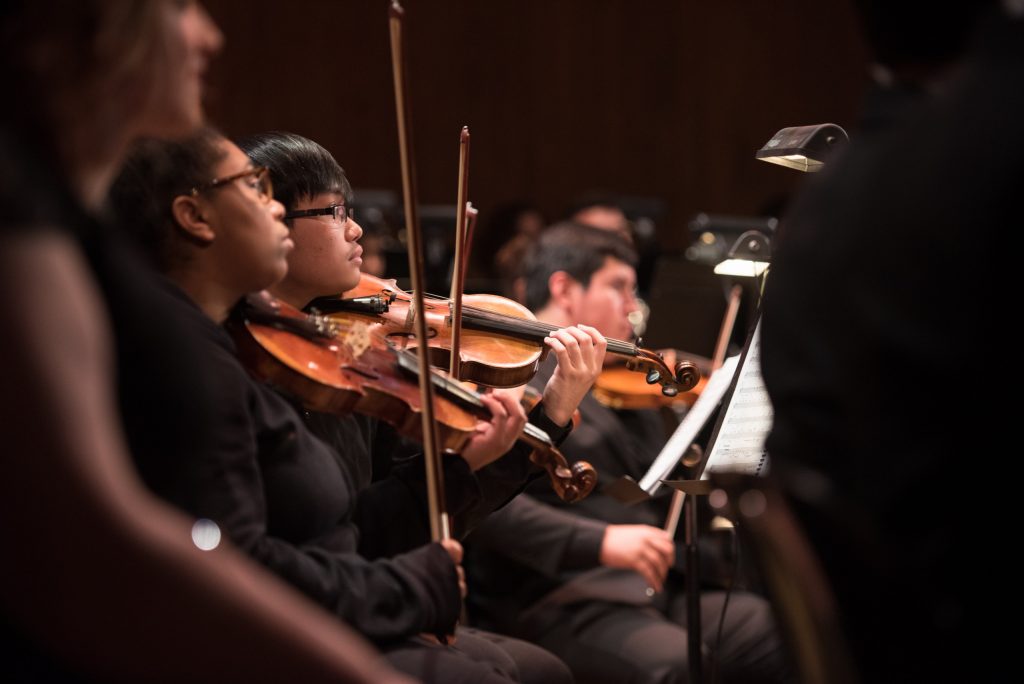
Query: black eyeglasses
340, 212
259, 181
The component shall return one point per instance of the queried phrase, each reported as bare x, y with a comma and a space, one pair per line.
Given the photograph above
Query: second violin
502, 341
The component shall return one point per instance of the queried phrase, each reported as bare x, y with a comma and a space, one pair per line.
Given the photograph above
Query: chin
348, 282
270, 278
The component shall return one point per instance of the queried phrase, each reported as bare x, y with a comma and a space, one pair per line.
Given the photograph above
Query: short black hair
576, 249
299, 167
155, 172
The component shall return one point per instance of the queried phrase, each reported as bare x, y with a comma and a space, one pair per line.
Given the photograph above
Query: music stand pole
693, 631
694, 646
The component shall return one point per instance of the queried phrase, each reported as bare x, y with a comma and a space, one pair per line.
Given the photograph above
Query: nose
353, 231
276, 210
632, 304
213, 39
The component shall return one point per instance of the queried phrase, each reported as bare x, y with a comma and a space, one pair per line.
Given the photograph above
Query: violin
341, 365
502, 342
620, 388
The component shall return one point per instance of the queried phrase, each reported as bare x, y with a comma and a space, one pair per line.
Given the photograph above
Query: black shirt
212, 440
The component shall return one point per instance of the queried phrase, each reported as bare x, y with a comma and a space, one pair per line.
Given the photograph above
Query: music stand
735, 443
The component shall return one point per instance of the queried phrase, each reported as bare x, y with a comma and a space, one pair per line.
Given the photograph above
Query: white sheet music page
691, 425
739, 446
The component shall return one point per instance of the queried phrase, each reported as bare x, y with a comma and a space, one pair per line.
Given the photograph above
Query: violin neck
470, 401
474, 318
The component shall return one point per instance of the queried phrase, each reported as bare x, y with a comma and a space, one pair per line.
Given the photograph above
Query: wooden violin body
341, 365
488, 359
502, 341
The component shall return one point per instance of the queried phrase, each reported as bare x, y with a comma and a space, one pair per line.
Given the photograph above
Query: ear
563, 291
187, 212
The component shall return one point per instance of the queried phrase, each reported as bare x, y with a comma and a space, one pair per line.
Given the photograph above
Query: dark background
649, 98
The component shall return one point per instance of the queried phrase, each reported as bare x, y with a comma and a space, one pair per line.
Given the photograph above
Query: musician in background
605, 625
100, 581
602, 212
501, 242
317, 194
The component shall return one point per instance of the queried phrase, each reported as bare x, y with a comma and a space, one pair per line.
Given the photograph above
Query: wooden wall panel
642, 97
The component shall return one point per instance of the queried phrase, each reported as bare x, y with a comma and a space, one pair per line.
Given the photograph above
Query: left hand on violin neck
580, 352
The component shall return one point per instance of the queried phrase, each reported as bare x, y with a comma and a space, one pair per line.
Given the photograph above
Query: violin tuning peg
669, 391
653, 376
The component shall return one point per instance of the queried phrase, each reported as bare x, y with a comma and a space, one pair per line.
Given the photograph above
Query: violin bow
471, 214
675, 508
461, 254
440, 527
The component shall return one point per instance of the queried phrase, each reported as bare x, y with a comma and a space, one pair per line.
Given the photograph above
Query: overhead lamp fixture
803, 148
748, 258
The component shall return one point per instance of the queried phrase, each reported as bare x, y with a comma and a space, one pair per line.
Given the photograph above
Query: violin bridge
356, 337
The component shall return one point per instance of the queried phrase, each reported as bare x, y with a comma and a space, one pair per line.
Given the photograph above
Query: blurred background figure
500, 244
601, 211
100, 581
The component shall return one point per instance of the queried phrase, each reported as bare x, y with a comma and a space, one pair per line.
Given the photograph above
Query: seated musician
275, 489
100, 580
325, 261
612, 630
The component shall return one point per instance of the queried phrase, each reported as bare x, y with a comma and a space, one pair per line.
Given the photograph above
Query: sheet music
691, 425
739, 446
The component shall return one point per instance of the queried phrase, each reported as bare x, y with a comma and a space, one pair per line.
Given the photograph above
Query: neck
214, 298
292, 293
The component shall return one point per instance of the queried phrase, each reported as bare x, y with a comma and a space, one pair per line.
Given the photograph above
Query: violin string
514, 324
442, 382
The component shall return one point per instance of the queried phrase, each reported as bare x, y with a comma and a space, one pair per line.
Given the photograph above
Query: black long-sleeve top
384, 468
212, 440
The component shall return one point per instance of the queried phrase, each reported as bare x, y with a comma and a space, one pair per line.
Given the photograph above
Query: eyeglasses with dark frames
260, 176
340, 212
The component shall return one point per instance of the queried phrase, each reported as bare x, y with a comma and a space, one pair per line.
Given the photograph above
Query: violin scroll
571, 484
683, 378
687, 375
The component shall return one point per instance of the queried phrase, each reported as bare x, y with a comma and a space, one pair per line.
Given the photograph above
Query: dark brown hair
154, 173
578, 250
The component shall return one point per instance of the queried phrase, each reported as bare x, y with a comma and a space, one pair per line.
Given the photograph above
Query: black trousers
621, 643
475, 657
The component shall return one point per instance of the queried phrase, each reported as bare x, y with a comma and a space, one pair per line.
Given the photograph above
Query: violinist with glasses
325, 262
271, 486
